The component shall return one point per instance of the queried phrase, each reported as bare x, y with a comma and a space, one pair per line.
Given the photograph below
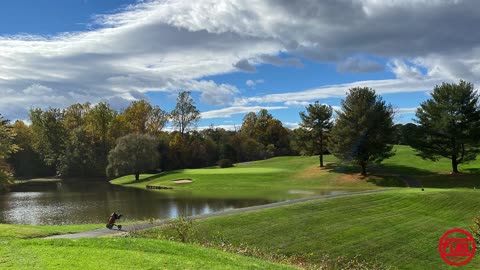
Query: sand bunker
182, 181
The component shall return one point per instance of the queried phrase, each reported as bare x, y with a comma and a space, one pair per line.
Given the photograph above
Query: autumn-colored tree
7, 147
49, 133
185, 115
266, 130
26, 162
74, 115
98, 124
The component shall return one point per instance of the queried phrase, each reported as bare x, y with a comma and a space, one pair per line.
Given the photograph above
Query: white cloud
405, 71
297, 103
291, 125
165, 46
406, 110
228, 112
252, 83
231, 127
381, 86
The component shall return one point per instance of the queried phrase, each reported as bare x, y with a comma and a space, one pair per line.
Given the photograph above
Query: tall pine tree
449, 124
363, 131
317, 120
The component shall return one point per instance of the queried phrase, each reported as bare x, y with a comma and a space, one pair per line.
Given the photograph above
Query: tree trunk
137, 175
321, 151
454, 165
364, 168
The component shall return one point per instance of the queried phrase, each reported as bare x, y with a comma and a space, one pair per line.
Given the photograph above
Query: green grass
433, 174
399, 228
272, 179
120, 253
11, 231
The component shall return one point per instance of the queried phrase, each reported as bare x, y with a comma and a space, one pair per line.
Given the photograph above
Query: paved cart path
148, 225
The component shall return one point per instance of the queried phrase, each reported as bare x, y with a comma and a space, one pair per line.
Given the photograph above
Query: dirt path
148, 225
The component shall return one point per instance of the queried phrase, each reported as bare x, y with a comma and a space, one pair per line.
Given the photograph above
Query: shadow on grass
468, 178
377, 177
151, 177
388, 175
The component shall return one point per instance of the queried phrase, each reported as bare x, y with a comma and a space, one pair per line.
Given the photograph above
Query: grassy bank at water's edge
400, 228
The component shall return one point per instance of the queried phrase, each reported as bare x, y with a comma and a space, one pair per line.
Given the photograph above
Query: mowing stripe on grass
148, 225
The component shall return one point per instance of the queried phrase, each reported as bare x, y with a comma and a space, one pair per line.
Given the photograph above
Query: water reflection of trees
93, 202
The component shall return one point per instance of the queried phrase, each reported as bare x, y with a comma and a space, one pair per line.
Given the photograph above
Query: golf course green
277, 179
399, 228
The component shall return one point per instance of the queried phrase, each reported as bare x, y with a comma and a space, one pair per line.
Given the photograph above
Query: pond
93, 201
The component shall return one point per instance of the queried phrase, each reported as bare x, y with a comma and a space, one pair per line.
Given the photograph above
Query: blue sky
49, 17
235, 56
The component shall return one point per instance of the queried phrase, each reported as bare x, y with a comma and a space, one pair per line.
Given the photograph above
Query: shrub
183, 227
225, 163
475, 229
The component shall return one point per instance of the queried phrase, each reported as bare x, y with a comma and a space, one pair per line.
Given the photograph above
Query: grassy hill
20, 250
120, 253
399, 228
273, 178
433, 174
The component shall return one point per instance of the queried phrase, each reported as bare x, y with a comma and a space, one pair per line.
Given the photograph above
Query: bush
475, 229
183, 227
225, 163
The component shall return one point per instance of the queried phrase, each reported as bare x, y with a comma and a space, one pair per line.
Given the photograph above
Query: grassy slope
433, 174
264, 179
9, 231
17, 251
126, 253
400, 228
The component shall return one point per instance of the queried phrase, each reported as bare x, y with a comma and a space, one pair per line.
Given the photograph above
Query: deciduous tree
185, 113
133, 154
49, 133
7, 147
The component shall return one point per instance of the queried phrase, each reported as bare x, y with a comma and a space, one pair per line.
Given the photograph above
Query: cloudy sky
235, 56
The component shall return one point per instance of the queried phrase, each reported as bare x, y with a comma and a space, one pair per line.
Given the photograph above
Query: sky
234, 56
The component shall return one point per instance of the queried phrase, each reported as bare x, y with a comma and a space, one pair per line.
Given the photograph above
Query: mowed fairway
272, 178
399, 228
433, 174
126, 253
18, 251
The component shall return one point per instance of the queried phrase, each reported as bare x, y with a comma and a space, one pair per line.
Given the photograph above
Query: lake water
92, 202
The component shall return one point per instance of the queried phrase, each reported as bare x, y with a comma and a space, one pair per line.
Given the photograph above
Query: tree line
86, 140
